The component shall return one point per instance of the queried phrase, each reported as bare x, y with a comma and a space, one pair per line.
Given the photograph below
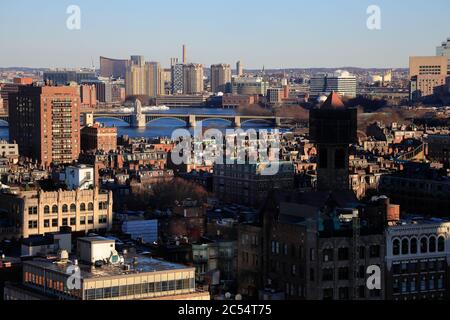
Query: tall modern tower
239, 69
144, 79
333, 128
444, 50
220, 78
193, 79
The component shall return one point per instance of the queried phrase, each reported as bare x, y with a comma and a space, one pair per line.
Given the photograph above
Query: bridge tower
192, 121
138, 119
237, 122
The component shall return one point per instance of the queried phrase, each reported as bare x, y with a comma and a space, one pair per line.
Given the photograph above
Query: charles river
165, 127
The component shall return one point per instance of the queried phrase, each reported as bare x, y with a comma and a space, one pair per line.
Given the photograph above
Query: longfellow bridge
190, 120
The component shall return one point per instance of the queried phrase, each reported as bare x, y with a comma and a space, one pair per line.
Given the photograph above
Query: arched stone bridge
190, 120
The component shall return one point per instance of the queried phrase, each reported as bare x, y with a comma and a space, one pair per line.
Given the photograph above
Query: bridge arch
229, 121
123, 120
266, 121
4, 123
154, 119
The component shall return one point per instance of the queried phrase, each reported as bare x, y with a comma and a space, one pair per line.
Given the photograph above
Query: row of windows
414, 285
293, 251
138, 289
343, 254
410, 246
414, 267
66, 208
33, 224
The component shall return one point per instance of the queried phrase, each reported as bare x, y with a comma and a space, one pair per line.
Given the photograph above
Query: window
311, 275
339, 159
73, 207
73, 221
362, 252
323, 158
328, 274
328, 294
65, 222
343, 293
433, 244
405, 246
47, 209
413, 246
65, 208
374, 251
32, 210
90, 206
46, 223
441, 244
91, 220
343, 273
83, 207
396, 247
54, 209
343, 254
54, 222
32, 224
102, 219
423, 245
328, 255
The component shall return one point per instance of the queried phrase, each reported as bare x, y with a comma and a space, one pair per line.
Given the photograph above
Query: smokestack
184, 54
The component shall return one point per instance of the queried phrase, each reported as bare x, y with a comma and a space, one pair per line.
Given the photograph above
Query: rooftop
138, 264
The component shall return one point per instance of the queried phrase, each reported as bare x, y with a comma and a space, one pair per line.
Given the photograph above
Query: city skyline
296, 35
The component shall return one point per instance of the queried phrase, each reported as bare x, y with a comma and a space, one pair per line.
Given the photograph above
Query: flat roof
144, 264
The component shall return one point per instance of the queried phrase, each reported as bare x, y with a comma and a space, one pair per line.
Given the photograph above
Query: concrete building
417, 260
79, 177
177, 78
193, 79
245, 184
144, 79
62, 77
221, 78
98, 137
39, 212
340, 82
239, 69
444, 50
428, 76
249, 86
9, 151
127, 277
88, 94
45, 122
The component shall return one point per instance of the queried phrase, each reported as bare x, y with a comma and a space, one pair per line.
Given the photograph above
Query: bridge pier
192, 121
237, 122
138, 121
277, 121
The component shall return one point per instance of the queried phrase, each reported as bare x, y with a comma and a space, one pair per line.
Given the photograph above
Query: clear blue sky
277, 34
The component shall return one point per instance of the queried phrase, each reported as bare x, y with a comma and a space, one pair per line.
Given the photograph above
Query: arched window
55, 209
432, 244
441, 244
90, 206
73, 207
405, 246
65, 208
413, 246
83, 207
424, 245
396, 247
47, 209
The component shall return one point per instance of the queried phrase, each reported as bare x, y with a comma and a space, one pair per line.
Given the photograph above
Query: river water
165, 127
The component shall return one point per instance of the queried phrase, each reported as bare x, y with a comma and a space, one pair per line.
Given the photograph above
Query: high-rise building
428, 76
88, 94
193, 79
340, 82
45, 122
138, 60
239, 69
114, 68
144, 79
444, 50
220, 78
177, 78
333, 128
